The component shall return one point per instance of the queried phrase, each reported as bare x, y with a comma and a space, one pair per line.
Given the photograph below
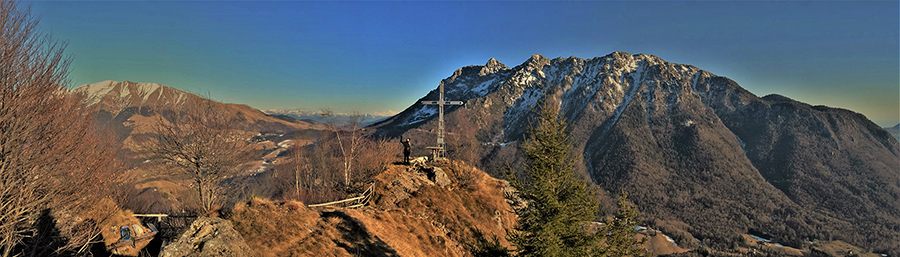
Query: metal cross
439, 150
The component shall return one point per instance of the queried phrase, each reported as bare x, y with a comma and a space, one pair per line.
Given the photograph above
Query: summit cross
438, 151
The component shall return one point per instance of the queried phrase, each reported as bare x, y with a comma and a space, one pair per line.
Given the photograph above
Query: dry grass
435, 221
409, 234
478, 208
284, 229
840, 248
751, 243
657, 244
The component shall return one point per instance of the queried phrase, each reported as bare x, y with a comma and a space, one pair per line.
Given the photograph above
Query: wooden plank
336, 202
150, 215
365, 195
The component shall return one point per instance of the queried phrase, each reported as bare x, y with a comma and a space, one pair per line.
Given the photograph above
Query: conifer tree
619, 231
560, 205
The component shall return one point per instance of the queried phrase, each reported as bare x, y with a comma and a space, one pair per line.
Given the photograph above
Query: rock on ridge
209, 237
492, 66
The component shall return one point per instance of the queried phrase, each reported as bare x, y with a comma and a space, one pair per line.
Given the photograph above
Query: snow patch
124, 92
180, 97
759, 238
636, 76
743, 146
100, 89
423, 113
95, 92
146, 89
670, 240
482, 88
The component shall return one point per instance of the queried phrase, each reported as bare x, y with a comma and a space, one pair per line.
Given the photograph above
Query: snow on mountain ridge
605, 84
136, 93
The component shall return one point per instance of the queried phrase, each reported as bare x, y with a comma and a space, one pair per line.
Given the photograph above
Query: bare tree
300, 167
196, 140
53, 162
349, 136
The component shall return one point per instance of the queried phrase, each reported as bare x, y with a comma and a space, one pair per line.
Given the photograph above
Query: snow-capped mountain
128, 106
131, 93
367, 118
692, 147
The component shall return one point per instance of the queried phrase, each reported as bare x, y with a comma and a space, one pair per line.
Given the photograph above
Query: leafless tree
300, 167
53, 162
349, 136
194, 139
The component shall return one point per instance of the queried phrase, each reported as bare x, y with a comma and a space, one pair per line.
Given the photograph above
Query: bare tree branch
52, 158
196, 140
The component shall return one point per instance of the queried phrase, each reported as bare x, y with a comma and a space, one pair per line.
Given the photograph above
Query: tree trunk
202, 201
297, 181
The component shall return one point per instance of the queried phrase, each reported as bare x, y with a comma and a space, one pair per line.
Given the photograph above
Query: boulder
208, 237
439, 177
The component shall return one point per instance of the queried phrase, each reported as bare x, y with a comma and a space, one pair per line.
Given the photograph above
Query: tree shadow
355, 238
44, 238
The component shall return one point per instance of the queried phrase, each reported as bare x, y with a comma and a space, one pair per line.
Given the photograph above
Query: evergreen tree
620, 231
560, 206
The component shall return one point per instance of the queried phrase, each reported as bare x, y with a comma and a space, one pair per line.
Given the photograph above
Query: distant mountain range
306, 115
895, 131
703, 158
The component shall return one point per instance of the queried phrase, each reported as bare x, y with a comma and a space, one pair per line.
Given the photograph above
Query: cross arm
443, 102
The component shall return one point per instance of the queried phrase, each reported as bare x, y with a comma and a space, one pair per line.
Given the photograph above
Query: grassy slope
433, 221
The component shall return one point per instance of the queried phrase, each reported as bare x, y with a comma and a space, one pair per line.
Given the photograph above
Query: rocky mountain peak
493, 65
536, 62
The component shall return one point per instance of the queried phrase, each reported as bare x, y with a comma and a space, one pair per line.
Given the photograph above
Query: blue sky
383, 56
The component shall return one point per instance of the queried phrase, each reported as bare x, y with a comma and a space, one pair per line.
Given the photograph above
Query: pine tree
619, 231
560, 205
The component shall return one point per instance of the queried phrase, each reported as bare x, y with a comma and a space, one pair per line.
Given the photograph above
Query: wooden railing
350, 203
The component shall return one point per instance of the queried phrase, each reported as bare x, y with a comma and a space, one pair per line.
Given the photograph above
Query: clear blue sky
382, 56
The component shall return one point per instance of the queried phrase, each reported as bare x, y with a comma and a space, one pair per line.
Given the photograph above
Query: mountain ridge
131, 109
638, 120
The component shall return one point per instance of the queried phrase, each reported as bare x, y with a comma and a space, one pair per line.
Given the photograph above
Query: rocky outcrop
208, 237
417, 175
409, 215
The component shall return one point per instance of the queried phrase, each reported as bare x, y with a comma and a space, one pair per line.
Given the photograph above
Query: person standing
406, 145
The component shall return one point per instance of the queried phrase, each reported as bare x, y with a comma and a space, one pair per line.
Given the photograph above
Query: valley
706, 162
677, 129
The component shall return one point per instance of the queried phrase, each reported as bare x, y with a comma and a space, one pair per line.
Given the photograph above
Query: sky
380, 57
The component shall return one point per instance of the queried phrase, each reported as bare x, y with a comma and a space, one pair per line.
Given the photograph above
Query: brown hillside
129, 107
409, 215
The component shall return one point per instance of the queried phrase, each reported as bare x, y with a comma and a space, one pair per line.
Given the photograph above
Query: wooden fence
350, 203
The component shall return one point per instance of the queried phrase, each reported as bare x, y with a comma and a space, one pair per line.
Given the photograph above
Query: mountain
703, 158
129, 106
367, 118
131, 110
895, 131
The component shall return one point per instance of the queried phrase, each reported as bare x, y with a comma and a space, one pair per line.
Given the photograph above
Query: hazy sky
383, 56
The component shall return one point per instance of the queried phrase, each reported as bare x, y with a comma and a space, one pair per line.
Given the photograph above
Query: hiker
405, 150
